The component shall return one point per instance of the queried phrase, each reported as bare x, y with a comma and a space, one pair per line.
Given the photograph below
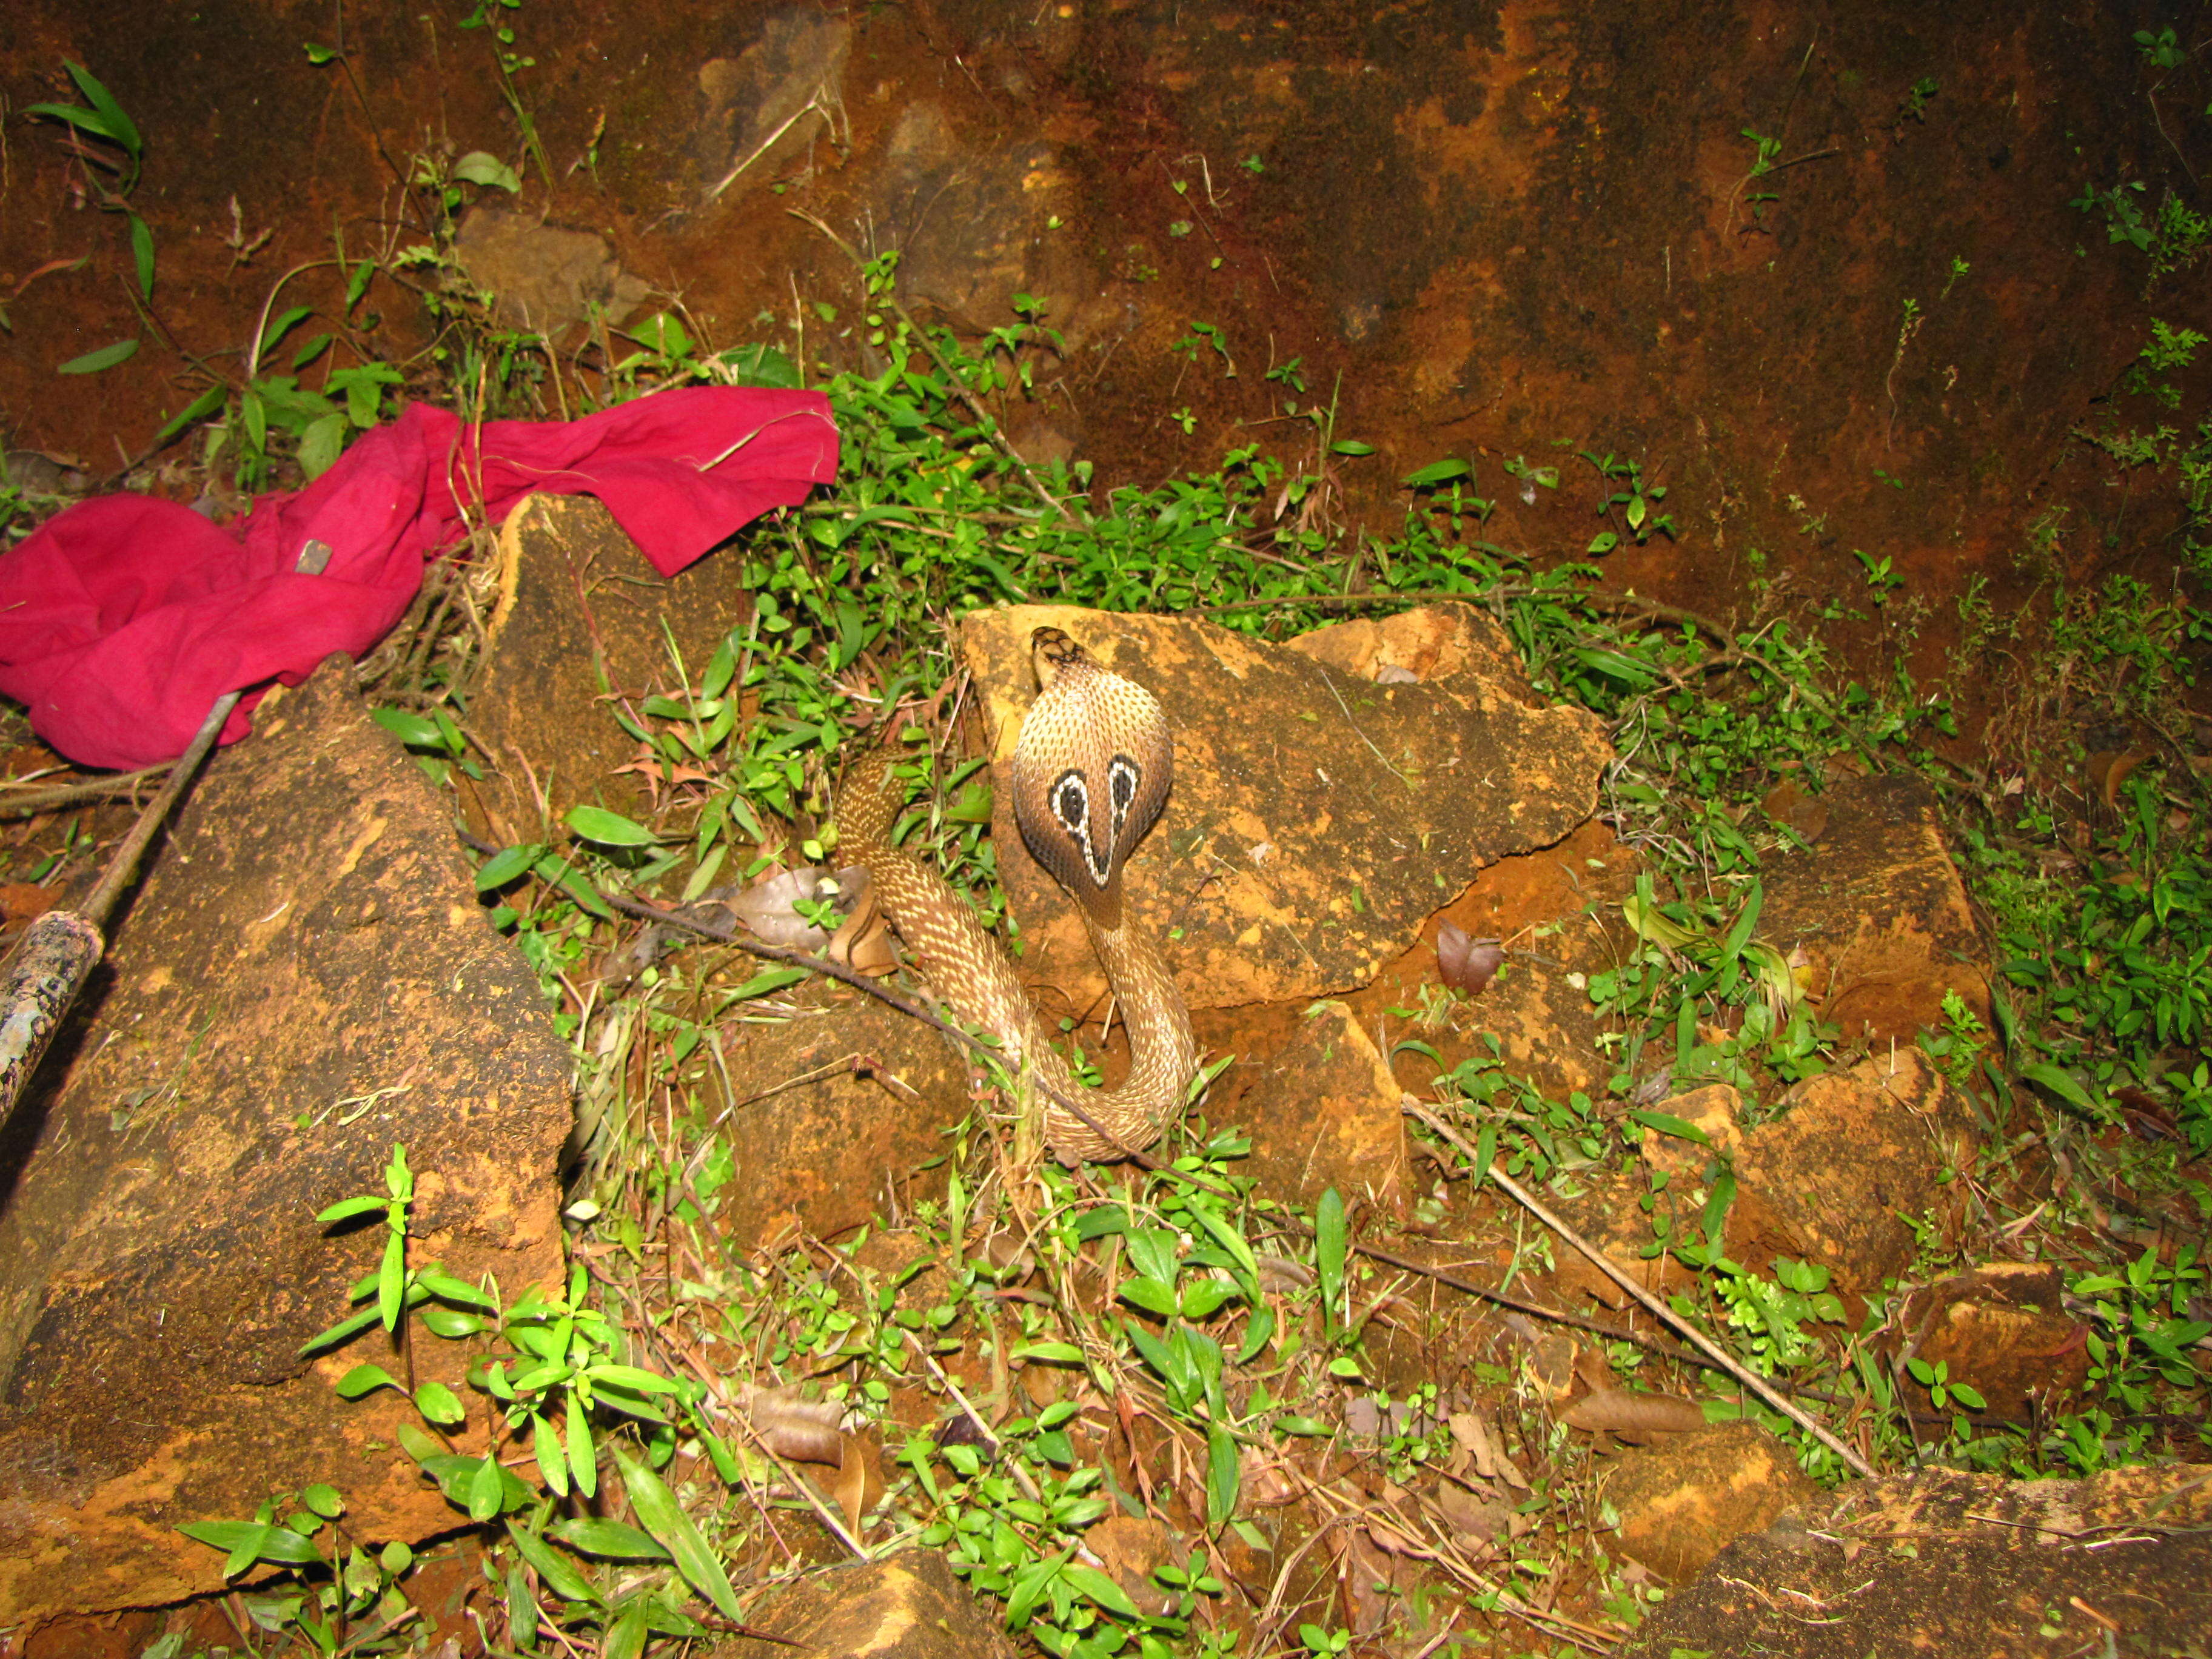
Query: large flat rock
305, 978
1321, 814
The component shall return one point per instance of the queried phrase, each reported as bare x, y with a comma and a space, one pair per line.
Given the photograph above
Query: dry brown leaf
1474, 1433
765, 909
1367, 1576
1594, 1368
1277, 1275
1464, 964
1634, 1417
1131, 1548
2110, 770
802, 1430
859, 1485
1477, 1513
1790, 804
1550, 1363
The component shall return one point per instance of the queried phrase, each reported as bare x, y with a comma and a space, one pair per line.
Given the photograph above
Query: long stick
60, 949
1605, 1264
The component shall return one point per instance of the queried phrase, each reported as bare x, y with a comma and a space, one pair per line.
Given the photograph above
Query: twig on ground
1742, 1373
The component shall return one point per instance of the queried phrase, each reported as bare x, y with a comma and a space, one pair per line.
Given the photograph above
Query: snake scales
1089, 775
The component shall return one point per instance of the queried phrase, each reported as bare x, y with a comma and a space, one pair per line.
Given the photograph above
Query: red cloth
124, 619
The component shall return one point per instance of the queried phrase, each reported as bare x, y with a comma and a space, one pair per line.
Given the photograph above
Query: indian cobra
1089, 775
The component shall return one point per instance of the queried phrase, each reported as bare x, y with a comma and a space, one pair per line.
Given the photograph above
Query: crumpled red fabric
122, 619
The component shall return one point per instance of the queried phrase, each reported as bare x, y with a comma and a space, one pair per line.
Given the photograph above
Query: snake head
1090, 772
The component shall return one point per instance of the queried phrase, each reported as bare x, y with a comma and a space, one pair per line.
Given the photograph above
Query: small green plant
1684, 964
337, 1583
2162, 49
1942, 1392
2143, 1335
1764, 154
2173, 236
110, 183
1634, 500
1883, 579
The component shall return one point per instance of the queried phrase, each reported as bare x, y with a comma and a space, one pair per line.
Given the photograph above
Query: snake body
1089, 775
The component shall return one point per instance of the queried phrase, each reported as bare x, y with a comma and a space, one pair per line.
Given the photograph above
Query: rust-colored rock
1830, 1179
1681, 1501
305, 978
1880, 913
1318, 819
544, 279
579, 613
1323, 1112
833, 1112
1969, 1567
1854, 1153
911, 1607
2003, 1329
763, 113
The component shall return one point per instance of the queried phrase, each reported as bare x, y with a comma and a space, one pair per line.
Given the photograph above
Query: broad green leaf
593, 1536
142, 254
626, 1640
1149, 1294
1202, 1297
416, 731
364, 1380
320, 446
444, 1286
481, 167
1351, 446
557, 1573
1051, 1353
1328, 1257
106, 357
768, 979
115, 124
1739, 934
438, 1405
552, 1460
1152, 1253
583, 1453
1100, 1589
664, 1519
1666, 1124
1221, 1476
257, 1540
1436, 472
510, 865
2059, 1084
485, 1490
596, 823
1247, 1266
198, 410
347, 1209
451, 1323
629, 1377
392, 1280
